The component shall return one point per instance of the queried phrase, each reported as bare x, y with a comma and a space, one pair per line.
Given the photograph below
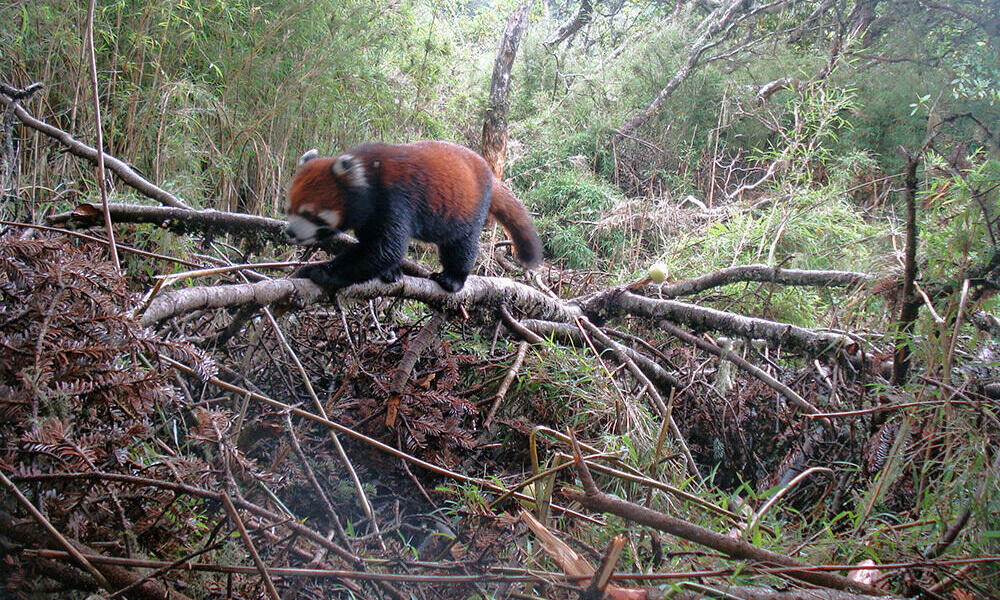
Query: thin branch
594, 499
251, 548
78, 148
101, 183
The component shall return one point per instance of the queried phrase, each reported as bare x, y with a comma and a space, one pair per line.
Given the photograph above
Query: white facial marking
308, 156
332, 217
350, 167
303, 231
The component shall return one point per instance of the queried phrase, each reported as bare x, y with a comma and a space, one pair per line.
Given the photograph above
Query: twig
101, 183
522, 350
401, 375
261, 567
40, 518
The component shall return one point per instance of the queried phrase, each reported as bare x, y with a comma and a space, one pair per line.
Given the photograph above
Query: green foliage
572, 204
215, 99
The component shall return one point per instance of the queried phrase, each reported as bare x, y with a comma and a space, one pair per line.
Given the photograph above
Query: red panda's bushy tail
516, 221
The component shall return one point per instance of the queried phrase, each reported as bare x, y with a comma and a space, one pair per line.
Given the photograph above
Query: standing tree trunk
495, 123
910, 302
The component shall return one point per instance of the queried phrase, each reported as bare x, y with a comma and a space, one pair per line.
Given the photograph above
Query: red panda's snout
308, 220
308, 228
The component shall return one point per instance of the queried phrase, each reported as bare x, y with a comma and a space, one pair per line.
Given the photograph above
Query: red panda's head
319, 195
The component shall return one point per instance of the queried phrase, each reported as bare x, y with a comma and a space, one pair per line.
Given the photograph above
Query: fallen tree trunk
487, 295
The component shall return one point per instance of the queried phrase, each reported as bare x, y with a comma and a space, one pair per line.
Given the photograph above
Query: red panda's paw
447, 283
321, 275
391, 275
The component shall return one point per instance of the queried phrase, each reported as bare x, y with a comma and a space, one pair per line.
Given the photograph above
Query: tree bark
495, 123
909, 301
580, 18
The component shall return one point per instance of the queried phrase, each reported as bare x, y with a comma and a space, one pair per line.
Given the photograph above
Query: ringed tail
516, 221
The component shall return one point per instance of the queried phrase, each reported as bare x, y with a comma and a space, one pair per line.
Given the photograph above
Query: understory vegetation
814, 376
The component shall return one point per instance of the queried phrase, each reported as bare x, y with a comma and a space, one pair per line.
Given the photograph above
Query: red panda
436, 192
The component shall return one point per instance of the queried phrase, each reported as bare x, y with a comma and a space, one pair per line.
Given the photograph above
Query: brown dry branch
114, 577
690, 590
595, 499
125, 172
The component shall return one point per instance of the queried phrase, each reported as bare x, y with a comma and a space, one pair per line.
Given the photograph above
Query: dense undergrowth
213, 100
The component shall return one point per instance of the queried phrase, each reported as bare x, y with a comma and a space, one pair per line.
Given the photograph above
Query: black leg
391, 275
366, 260
457, 260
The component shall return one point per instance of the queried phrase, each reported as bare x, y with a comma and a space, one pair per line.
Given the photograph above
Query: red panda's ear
349, 168
308, 156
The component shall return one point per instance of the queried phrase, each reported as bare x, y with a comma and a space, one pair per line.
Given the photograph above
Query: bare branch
619, 302
78, 148
581, 17
594, 499
764, 274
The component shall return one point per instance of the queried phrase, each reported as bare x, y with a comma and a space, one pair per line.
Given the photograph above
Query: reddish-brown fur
433, 191
448, 171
